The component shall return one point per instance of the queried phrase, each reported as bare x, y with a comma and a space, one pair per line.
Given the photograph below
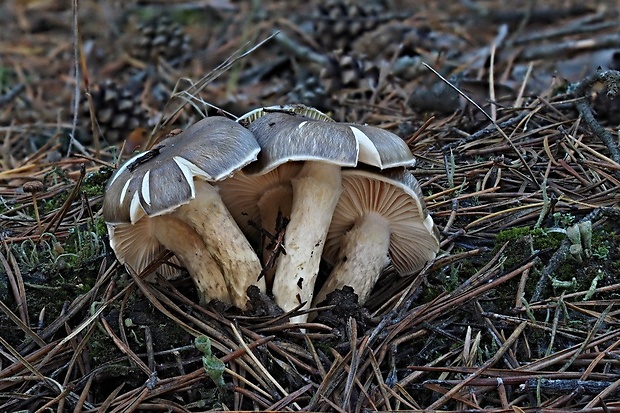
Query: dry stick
17, 367
551, 51
612, 388
355, 357
179, 382
492, 82
22, 360
12, 94
587, 24
417, 134
508, 376
111, 398
510, 360
79, 406
76, 68
59, 398
132, 405
380, 381
315, 357
253, 396
77, 353
611, 78
423, 313
486, 131
247, 382
500, 353
290, 398
554, 326
47, 381
155, 296
125, 349
538, 325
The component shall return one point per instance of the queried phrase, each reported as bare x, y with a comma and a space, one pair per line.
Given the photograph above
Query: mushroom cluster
305, 172
211, 192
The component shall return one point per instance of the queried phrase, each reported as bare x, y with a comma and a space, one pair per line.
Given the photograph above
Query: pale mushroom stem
238, 262
179, 238
274, 201
316, 190
362, 257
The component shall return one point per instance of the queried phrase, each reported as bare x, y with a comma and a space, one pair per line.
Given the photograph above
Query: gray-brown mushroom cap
299, 134
159, 180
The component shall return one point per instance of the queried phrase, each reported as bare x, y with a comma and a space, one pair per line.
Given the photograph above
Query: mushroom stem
234, 255
179, 238
274, 201
316, 190
363, 255
36, 213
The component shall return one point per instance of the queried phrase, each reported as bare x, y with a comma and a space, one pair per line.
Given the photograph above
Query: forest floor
520, 169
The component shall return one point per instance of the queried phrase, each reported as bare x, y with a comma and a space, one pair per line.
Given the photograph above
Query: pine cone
310, 92
118, 111
160, 38
346, 71
339, 22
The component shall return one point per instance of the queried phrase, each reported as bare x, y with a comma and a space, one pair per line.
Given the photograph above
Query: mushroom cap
301, 133
396, 195
241, 194
160, 180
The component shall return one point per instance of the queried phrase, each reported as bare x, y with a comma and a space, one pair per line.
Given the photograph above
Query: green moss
524, 241
540, 238
95, 182
512, 234
78, 254
52, 204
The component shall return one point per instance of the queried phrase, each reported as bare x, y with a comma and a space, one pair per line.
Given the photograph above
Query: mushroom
380, 217
33, 187
163, 199
301, 134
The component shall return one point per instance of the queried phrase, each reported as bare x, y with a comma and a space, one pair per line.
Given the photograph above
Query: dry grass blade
193, 91
17, 284
498, 355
